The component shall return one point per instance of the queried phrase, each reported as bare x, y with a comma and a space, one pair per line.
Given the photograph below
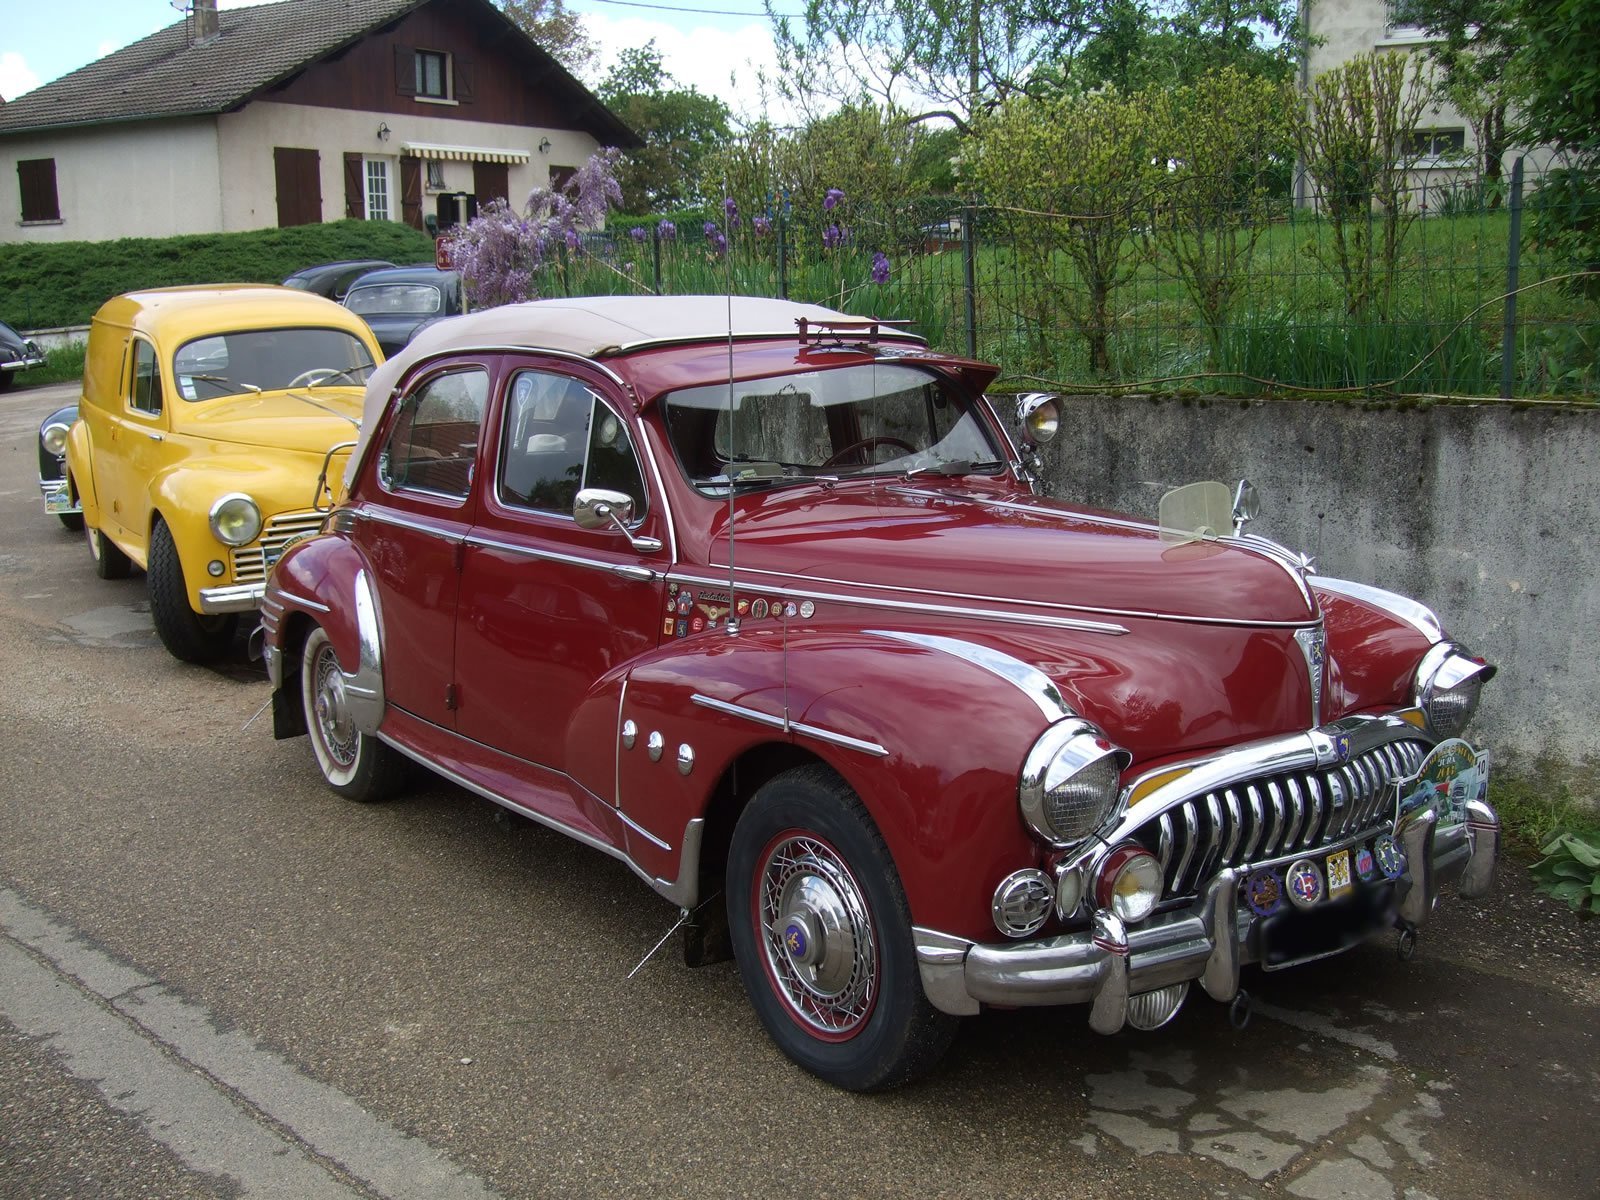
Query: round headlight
1448, 685
1129, 883
1070, 782
54, 438
235, 519
1039, 414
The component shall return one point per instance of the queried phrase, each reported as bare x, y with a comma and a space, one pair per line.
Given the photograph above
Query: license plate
59, 504
1339, 881
1295, 936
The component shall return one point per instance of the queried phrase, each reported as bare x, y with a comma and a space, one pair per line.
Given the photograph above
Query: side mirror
602, 509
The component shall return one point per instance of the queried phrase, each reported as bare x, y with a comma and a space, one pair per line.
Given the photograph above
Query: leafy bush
43, 285
1570, 871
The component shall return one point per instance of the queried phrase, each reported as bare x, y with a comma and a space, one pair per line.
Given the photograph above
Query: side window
558, 437
144, 393
434, 442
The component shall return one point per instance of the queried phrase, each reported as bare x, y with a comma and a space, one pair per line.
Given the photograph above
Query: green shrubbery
46, 285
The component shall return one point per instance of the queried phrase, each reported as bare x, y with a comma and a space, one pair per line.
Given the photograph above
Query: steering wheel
315, 375
868, 443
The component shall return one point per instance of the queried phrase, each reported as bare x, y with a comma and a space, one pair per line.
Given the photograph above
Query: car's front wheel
190, 636
356, 765
822, 934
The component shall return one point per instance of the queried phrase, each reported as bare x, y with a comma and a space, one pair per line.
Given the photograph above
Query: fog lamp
235, 519
1129, 883
214, 568
1152, 1010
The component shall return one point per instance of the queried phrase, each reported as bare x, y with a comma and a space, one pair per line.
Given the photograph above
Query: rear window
422, 299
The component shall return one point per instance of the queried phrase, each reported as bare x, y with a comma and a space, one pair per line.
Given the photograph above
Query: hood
1031, 552
307, 420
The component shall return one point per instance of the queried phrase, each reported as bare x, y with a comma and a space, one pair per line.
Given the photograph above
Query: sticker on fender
1339, 882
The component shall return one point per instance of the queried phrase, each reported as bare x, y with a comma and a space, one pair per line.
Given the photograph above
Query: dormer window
433, 75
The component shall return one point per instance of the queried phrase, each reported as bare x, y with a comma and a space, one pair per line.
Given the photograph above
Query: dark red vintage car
761, 601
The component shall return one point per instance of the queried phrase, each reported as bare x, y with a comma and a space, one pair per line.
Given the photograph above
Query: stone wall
1486, 513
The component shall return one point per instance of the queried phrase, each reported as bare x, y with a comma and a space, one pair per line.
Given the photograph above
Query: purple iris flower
666, 230
832, 236
574, 242
730, 206
711, 230
637, 233
762, 226
831, 200
880, 267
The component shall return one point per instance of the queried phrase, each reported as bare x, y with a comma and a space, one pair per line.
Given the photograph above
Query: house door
299, 177
490, 181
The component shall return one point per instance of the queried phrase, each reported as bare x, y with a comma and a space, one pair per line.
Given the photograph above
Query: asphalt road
219, 979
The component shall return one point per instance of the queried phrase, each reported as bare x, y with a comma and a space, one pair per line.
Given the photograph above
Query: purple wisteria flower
637, 233
832, 237
880, 267
762, 226
666, 231
831, 200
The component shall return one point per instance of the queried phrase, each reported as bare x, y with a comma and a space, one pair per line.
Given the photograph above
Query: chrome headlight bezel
1039, 415
1068, 751
53, 437
227, 510
1448, 683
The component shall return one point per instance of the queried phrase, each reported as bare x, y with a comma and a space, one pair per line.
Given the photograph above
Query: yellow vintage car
208, 416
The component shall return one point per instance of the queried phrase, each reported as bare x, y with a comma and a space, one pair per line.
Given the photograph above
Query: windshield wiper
226, 382
956, 466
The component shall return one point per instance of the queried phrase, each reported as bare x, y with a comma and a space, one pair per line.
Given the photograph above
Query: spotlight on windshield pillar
1039, 414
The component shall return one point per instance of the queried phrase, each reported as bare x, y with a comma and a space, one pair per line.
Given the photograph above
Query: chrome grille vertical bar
1230, 855
1213, 833
1280, 819
1317, 800
1297, 810
1164, 843
1257, 822
1190, 837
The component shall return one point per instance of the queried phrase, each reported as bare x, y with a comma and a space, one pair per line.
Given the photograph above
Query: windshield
267, 360
383, 299
870, 419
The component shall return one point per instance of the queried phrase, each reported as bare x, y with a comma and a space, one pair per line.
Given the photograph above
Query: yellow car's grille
251, 563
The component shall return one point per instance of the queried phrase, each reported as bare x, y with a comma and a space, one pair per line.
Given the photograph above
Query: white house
296, 112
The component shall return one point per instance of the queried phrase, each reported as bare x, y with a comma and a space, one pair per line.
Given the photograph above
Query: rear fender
80, 466
933, 743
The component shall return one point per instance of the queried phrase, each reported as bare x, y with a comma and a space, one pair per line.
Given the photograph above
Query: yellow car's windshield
267, 360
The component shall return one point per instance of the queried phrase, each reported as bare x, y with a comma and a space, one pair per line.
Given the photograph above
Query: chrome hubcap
333, 712
818, 936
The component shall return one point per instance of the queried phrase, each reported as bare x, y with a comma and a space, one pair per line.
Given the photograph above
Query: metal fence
1448, 298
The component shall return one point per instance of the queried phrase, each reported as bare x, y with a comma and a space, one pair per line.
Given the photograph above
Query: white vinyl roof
590, 326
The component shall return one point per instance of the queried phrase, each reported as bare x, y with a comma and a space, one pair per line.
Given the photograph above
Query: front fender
80, 466
932, 742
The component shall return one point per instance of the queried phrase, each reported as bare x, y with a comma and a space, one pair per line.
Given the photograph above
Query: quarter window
559, 437
434, 443
433, 74
145, 390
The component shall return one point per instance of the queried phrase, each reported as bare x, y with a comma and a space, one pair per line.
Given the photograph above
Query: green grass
1531, 813
64, 364
51, 284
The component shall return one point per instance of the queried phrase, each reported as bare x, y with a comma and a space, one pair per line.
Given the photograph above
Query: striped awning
462, 153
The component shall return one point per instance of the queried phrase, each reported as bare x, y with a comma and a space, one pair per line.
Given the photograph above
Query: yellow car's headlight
235, 519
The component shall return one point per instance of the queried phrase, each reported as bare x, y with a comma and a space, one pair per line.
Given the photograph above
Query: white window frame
379, 193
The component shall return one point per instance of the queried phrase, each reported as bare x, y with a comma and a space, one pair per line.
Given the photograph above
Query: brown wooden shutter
411, 192
299, 178
405, 70
490, 181
36, 179
355, 187
463, 80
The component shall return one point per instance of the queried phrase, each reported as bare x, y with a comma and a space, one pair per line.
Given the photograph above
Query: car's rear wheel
356, 765
822, 934
73, 521
109, 561
190, 636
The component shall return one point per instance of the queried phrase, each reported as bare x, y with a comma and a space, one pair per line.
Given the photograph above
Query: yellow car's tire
190, 636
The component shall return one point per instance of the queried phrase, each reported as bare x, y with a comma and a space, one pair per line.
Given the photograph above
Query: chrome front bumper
243, 597
1209, 941
58, 497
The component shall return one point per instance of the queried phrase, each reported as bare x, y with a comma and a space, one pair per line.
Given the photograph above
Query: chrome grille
251, 563
1257, 820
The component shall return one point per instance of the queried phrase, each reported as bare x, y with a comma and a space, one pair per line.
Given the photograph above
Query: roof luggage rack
838, 333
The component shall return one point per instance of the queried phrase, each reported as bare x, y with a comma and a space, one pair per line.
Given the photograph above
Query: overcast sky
716, 53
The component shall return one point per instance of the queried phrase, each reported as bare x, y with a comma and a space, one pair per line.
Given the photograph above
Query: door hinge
452, 699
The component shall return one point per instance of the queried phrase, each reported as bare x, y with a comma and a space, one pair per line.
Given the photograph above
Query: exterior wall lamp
383, 131
544, 146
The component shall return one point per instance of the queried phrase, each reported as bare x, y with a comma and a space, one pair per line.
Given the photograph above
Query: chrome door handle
154, 437
638, 574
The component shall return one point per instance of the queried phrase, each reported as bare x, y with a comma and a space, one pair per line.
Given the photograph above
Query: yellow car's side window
145, 393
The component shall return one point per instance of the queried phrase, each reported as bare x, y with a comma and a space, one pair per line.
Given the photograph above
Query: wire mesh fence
1445, 297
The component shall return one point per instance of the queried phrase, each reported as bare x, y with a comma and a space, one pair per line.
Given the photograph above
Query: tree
555, 28
1174, 45
679, 126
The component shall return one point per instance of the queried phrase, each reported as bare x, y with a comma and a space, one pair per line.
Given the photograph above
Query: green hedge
43, 285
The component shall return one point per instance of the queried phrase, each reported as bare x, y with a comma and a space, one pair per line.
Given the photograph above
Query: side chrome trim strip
951, 610
571, 560
661, 490
1030, 681
642, 831
787, 726
305, 601
616, 778
1402, 608
407, 521
364, 689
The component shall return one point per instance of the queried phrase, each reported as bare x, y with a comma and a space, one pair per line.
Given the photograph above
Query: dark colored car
58, 497
17, 353
333, 279
399, 301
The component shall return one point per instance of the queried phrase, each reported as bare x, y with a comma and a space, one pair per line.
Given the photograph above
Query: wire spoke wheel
820, 945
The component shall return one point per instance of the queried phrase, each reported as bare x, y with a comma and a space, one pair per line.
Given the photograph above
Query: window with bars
377, 189
36, 179
436, 174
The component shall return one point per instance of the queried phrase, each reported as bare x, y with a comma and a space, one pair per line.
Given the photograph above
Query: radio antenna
731, 622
